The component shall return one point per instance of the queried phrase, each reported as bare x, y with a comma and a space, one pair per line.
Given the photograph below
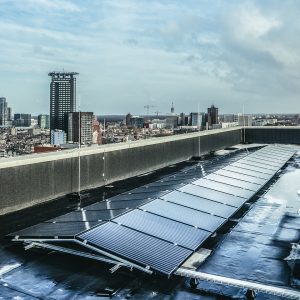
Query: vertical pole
199, 128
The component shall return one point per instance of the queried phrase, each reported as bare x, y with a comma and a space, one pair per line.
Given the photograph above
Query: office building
82, 127
62, 98
196, 119
212, 116
22, 120
5, 113
44, 121
137, 122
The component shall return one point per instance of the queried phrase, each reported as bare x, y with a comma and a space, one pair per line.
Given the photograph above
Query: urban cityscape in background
58, 129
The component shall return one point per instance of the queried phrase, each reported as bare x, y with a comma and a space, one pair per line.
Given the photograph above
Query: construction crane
148, 106
157, 112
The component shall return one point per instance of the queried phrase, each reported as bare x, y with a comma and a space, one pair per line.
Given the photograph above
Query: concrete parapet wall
273, 134
34, 179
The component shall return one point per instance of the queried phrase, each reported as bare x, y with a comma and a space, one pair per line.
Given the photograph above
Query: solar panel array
159, 225
163, 233
72, 223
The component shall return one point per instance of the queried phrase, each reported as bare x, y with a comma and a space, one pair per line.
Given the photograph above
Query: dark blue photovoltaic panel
247, 172
116, 204
252, 168
137, 247
166, 229
258, 164
183, 214
213, 195
224, 188
234, 182
199, 203
51, 230
239, 176
88, 215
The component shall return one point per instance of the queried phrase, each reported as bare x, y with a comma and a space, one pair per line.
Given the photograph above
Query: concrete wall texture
34, 179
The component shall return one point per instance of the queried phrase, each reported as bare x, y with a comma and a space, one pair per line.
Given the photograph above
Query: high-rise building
3, 110
44, 121
196, 119
85, 128
5, 113
62, 98
22, 120
212, 116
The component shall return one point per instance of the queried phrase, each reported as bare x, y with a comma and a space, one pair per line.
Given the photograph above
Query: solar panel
166, 229
213, 195
88, 215
137, 247
234, 182
268, 158
247, 178
52, 230
116, 204
252, 168
258, 164
183, 214
262, 161
201, 204
237, 170
274, 154
224, 188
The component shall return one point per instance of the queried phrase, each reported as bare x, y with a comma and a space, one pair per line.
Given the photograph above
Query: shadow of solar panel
166, 229
88, 215
184, 214
234, 182
213, 195
252, 168
242, 177
52, 230
201, 204
224, 188
137, 247
238, 170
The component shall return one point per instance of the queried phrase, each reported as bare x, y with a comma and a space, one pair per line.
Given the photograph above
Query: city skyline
135, 53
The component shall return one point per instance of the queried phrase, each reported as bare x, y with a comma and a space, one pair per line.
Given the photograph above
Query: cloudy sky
132, 53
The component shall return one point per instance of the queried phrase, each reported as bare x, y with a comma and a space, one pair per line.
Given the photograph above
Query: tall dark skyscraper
62, 98
212, 115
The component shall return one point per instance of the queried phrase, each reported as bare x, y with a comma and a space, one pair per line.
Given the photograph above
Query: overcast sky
133, 53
